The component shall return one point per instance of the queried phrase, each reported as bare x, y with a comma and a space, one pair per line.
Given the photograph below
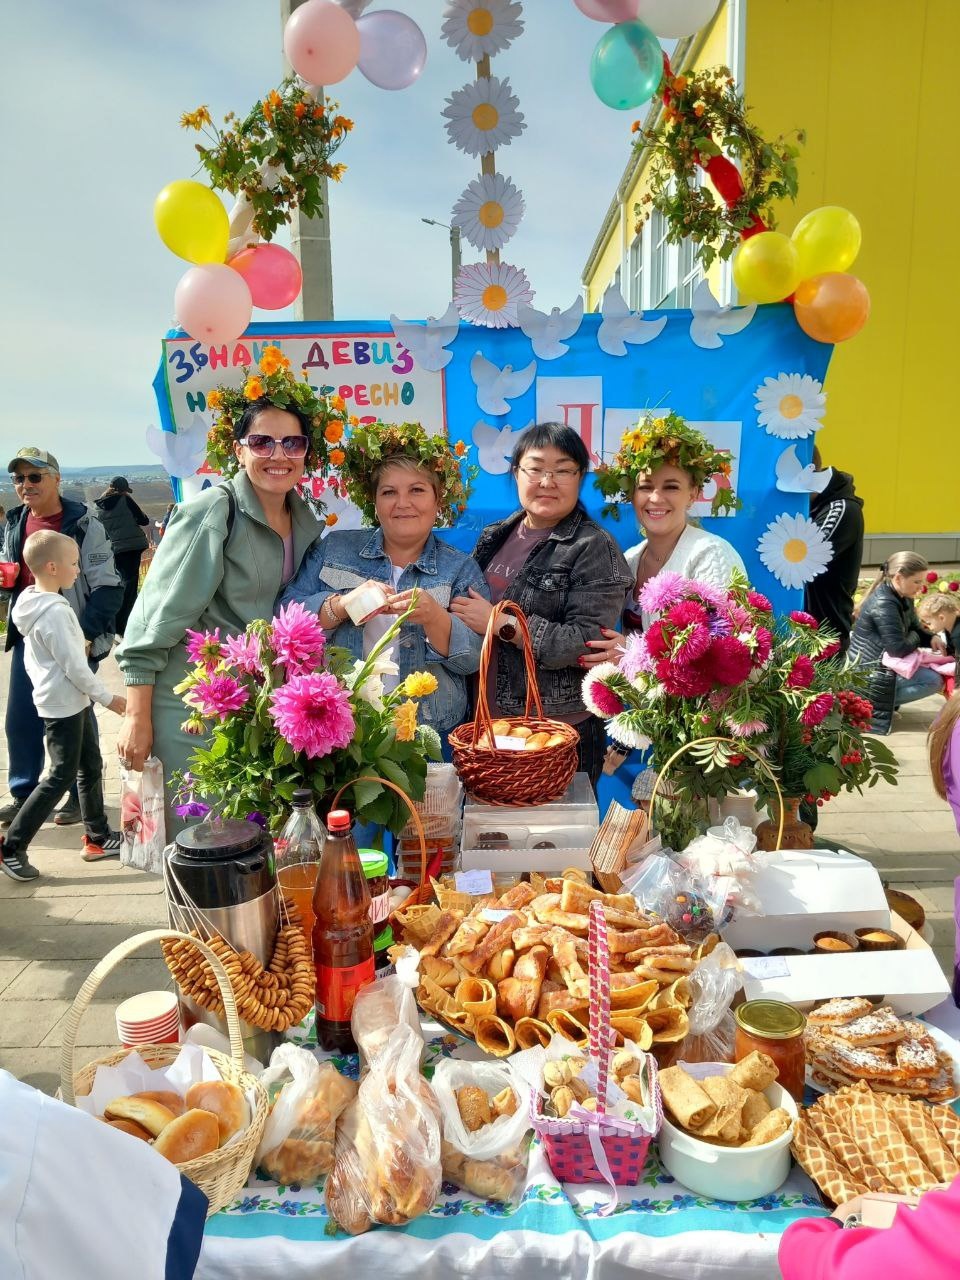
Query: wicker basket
494, 776
223, 1173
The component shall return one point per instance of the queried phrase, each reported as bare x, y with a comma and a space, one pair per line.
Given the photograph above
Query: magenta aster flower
657, 643
804, 619
682, 614
662, 591
204, 647
764, 639
298, 640
759, 602
243, 652
830, 651
710, 594
801, 674
684, 682
604, 699
746, 728
729, 661
217, 696
312, 712
816, 712
694, 643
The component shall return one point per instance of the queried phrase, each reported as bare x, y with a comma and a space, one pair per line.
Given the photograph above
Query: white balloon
674, 19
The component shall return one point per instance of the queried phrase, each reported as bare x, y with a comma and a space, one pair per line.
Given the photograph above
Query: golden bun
536, 741
521, 731
224, 1100
556, 740
192, 1135
166, 1097
128, 1126
152, 1116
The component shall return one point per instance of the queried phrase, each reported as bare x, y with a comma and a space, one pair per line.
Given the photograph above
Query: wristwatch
507, 628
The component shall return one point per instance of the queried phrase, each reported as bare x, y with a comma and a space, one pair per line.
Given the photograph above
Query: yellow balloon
766, 268
827, 239
192, 222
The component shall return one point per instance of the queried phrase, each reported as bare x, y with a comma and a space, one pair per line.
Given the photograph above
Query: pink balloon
609, 10
321, 42
393, 49
213, 303
272, 274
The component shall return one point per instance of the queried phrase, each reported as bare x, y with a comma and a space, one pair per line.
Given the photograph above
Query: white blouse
698, 554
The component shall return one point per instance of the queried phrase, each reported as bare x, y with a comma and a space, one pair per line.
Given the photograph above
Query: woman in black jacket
124, 523
887, 623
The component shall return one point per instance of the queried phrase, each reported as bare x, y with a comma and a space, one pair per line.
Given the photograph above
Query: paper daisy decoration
490, 292
476, 28
794, 550
790, 405
483, 116
489, 211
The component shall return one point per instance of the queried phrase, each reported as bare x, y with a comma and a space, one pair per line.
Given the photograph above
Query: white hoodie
54, 655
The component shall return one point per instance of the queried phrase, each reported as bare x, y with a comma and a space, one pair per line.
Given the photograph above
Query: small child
63, 685
940, 614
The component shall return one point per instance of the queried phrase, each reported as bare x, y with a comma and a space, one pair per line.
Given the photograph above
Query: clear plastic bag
729, 852
715, 983
386, 1004
142, 819
691, 906
298, 1140
489, 1161
387, 1162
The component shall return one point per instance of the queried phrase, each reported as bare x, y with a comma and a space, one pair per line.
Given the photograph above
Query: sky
93, 97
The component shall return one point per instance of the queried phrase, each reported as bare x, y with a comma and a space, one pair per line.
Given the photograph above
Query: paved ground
52, 932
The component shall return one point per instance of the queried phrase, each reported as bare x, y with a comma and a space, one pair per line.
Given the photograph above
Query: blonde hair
402, 463
937, 602
906, 563
43, 546
938, 741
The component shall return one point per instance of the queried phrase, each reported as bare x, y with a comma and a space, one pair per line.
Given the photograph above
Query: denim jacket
573, 583
342, 560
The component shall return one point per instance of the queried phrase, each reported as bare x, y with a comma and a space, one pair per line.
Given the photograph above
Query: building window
663, 263
689, 272
635, 300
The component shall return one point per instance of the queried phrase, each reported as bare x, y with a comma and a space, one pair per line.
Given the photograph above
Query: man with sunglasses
94, 598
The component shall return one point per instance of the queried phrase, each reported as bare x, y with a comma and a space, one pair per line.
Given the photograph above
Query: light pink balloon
213, 303
321, 42
609, 10
272, 274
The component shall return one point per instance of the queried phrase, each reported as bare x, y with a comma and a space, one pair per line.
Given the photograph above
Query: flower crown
666, 441
373, 444
275, 382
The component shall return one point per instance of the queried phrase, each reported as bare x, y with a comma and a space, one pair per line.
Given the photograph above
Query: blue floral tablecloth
658, 1230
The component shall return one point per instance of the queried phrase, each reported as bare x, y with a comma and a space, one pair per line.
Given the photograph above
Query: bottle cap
302, 798
339, 820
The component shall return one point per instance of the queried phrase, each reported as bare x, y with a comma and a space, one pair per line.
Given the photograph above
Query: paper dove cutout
495, 445
427, 342
546, 332
181, 452
710, 320
620, 325
495, 385
794, 478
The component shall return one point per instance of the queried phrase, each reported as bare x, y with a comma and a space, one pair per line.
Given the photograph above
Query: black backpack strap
231, 512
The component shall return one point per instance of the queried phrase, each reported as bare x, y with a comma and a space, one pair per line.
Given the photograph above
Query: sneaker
103, 847
10, 811
17, 865
68, 815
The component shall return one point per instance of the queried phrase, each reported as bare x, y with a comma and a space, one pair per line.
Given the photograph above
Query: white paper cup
153, 1017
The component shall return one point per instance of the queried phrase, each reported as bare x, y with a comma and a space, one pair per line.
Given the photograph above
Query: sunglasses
263, 446
33, 477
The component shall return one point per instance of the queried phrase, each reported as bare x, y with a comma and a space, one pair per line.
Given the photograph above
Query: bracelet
331, 614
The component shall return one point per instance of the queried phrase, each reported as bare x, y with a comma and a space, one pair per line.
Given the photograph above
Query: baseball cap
121, 484
36, 457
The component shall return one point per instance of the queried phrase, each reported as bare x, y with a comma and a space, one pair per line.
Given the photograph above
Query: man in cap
95, 598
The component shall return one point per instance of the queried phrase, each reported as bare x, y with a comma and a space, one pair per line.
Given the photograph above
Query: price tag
494, 917
509, 744
476, 883
766, 966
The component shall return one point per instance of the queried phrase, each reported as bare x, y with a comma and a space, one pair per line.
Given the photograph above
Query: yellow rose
420, 684
405, 720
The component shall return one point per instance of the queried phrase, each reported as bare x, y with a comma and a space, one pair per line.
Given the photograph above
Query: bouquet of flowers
717, 664
287, 711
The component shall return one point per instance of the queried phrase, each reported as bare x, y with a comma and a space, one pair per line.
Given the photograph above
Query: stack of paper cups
153, 1017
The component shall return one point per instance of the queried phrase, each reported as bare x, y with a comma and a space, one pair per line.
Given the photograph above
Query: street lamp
454, 246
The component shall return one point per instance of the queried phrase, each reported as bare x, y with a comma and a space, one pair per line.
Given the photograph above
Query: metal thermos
221, 877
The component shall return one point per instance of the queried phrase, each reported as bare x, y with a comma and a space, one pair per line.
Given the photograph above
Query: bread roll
127, 1126
521, 731
152, 1116
536, 741
555, 740
501, 728
166, 1097
224, 1100
196, 1133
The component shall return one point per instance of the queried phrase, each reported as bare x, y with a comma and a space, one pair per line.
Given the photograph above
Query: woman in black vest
124, 524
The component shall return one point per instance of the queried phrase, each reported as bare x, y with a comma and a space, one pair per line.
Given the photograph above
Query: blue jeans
24, 730
920, 685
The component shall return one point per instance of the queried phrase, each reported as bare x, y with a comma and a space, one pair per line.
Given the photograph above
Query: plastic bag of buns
387, 1164
385, 1004
486, 1120
308, 1099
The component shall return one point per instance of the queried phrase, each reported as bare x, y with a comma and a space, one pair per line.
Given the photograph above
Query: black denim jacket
573, 583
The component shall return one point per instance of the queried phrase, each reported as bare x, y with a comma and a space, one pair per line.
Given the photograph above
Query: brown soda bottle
342, 935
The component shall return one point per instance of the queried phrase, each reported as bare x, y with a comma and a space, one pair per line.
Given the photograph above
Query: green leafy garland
372, 444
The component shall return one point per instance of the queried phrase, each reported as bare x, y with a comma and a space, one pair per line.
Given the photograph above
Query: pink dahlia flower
243, 652
816, 712
298, 640
801, 674
204, 647
217, 696
662, 591
312, 712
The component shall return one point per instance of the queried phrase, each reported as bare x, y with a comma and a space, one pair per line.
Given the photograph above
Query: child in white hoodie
63, 686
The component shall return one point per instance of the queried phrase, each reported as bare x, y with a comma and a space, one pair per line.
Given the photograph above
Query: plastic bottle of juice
297, 854
342, 934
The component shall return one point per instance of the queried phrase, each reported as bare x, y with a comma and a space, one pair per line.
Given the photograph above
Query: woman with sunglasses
223, 560
567, 575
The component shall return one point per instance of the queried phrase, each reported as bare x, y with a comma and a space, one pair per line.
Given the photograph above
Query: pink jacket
921, 1242
951, 772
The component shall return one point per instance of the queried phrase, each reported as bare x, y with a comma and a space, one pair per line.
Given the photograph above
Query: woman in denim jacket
401, 555
567, 575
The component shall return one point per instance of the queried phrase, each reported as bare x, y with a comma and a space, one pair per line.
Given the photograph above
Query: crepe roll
689, 1104
773, 1125
532, 1032
755, 1071
755, 1107
476, 996
728, 1097
495, 1036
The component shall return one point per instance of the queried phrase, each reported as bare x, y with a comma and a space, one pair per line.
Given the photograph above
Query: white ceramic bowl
727, 1173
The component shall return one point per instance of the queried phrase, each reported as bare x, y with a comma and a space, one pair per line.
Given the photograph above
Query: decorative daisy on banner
490, 292
794, 550
483, 116
478, 29
790, 406
489, 211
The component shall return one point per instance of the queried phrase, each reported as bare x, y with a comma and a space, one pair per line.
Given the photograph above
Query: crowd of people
239, 549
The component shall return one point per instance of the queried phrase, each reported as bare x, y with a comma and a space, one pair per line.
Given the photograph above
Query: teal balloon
627, 66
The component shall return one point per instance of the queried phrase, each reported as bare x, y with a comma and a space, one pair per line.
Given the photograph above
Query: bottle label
380, 907
337, 989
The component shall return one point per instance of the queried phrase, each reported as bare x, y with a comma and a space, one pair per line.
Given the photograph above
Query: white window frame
636, 275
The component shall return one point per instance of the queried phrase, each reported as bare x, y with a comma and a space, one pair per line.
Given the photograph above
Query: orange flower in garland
336, 457
333, 432
460, 449
253, 388
273, 360
331, 519
213, 400
300, 110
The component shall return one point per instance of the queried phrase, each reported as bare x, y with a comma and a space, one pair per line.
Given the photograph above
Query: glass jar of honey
776, 1029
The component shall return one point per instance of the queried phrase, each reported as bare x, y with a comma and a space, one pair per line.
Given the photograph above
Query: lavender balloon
393, 50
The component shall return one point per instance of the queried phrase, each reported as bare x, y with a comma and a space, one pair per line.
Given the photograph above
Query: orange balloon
831, 307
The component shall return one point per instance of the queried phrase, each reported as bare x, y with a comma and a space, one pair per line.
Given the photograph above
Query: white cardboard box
910, 981
806, 892
516, 861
